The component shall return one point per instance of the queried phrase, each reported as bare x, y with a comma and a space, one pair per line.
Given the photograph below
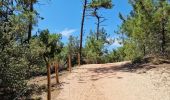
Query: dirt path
110, 82
105, 82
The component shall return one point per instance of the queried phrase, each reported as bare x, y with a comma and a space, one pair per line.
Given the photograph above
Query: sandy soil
110, 82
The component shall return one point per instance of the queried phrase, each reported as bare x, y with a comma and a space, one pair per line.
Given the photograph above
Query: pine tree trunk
98, 27
163, 21
163, 37
144, 50
30, 21
81, 33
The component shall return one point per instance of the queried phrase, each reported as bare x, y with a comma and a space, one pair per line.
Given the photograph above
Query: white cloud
109, 39
67, 32
116, 44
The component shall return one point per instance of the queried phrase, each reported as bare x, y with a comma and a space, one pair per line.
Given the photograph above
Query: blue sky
64, 16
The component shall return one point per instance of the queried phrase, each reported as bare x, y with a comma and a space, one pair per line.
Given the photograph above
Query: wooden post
56, 72
48, 81
79, 59
69, 60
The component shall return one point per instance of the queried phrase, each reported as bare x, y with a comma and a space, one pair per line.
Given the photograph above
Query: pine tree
147, 26
96, 5
81, 32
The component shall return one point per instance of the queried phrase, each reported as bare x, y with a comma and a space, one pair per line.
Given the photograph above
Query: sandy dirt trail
104, 82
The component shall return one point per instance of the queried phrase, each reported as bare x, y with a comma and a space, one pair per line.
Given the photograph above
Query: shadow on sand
127, 67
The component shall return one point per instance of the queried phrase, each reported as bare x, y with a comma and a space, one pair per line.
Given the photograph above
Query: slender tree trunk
30, 21
98, 27
49, 81
163, 21
56, 72
144, 50
81, 32
163, 37
6, 17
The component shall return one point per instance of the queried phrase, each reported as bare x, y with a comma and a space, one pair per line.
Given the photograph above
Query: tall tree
163, 9
28, 7
13, 60
31, 8
96, 5
81, 31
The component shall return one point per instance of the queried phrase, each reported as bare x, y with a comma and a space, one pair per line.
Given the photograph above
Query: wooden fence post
70, 64
56, 72
49, 81
79, 62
